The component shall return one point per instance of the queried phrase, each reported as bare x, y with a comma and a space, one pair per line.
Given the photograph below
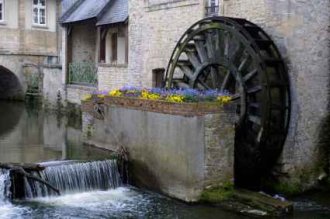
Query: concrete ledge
175, 154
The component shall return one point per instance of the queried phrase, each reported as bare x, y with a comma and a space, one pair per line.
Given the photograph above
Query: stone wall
112, 77
153, 32
83, 43
17, 65
75, 93
53, 91
301, 31
175, 154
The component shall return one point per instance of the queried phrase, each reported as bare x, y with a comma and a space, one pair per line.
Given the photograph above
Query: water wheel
237, 56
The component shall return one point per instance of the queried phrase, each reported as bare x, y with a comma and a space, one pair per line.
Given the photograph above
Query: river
29, 134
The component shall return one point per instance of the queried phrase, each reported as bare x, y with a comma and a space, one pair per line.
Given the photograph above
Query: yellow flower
224, 99
175, 98
87, 97
144, 94
115, 93
149, 96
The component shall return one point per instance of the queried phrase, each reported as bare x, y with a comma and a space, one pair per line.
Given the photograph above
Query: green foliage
82, 73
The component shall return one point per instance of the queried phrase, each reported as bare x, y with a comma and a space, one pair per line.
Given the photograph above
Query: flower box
160, 106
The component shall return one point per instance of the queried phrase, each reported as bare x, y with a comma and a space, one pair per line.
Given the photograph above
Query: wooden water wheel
237, 56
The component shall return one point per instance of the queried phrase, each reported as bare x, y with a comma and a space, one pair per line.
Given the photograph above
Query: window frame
39, 7
212, 7
2, 18
109, 42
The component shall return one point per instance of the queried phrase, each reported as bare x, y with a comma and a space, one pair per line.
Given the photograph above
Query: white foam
9, 211
114, 198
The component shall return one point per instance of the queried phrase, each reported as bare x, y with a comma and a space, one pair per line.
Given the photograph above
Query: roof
84, 10
67, 4
105, 11
117, 12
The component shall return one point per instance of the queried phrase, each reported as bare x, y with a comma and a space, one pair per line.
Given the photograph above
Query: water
75, 178
31, 135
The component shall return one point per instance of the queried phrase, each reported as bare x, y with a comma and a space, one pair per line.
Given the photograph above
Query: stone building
29, 40
300, 29
95, 40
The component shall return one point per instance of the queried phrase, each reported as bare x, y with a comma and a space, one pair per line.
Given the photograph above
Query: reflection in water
10, 115
29, 134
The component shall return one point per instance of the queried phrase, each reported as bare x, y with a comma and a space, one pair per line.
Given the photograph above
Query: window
39, 12
114, 46
2, 10
212, 7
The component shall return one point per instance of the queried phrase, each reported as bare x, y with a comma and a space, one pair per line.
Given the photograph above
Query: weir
67, 178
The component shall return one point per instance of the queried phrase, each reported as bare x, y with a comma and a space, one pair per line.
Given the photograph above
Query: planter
158, 106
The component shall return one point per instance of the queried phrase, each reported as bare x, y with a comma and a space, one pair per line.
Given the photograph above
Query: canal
29, 134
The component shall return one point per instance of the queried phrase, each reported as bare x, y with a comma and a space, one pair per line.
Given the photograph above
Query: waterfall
4, 185
77, 177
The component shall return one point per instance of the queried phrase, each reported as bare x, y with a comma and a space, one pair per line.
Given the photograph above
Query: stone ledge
183, 109
167, 5
81, 87
109, 65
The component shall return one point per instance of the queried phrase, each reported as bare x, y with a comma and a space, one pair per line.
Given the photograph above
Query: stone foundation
179, 155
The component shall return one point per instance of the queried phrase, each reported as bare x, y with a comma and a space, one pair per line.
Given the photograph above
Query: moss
218, 193
288, 188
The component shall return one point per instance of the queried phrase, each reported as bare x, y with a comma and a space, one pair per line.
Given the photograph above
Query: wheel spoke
201, 50
187, 72
243, 63
225, 81
202, 85
181, 84
250, 75
193, 59
210, 45
237, 50
254, 89
226, 44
